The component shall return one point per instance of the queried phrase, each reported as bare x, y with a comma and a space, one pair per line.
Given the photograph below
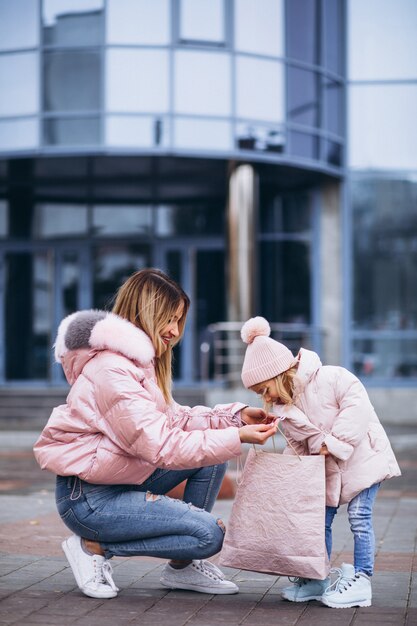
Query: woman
121, 442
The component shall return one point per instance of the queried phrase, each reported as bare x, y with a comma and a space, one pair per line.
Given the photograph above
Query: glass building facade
125, 130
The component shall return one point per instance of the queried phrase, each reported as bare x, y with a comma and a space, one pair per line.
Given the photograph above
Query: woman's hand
323, 450
257, 433
254, 415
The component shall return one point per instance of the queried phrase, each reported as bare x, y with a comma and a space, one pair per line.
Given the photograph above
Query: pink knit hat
265, 358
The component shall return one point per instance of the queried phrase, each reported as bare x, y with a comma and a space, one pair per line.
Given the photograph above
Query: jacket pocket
377, 438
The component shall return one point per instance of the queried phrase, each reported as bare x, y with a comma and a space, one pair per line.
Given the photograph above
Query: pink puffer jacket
116, 426
331, 406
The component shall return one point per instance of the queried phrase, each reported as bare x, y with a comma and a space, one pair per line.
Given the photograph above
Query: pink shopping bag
277, 524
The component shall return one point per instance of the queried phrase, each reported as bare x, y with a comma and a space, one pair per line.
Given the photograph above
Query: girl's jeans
130, 520
360, 520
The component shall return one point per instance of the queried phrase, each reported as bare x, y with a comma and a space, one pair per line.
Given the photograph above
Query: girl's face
171, 330
268, 391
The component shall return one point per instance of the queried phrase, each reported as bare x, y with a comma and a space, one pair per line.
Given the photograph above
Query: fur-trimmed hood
81, 335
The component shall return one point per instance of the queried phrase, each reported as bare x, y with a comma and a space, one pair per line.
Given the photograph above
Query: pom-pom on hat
265, 358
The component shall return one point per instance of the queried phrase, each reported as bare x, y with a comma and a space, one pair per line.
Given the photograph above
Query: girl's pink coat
116, 426
331, 406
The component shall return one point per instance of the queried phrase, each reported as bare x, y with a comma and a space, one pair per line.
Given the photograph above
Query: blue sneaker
305, 589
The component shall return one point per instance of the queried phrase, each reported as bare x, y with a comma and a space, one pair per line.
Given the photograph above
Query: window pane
16, 32
385, 254
304, 145
72, 132
260, 92
139, 22
70, 282
333, 153
285, 213
72, 22
28, 298
260, 30
383, 132
260, 137
137, 80
19, 96
205, 134
195, 219
288, 300
59, 220
303, 97
386, 31
202, 83
334, 35
137, 132
303, 30
19, 134
332, 93
112, 266
121, 220
387, 358
4, 218
72, 80
202, 20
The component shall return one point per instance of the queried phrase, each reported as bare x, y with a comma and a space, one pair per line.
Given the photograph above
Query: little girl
340, 423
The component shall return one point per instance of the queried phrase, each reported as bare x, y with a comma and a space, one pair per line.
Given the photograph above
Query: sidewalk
37, 586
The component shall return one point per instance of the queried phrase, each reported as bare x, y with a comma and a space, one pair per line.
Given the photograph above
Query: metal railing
222, 350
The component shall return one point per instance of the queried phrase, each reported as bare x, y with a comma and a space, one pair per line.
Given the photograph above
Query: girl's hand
253, 415
257, 433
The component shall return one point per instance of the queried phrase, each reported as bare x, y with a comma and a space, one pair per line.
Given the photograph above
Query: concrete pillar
331, 272
241, 211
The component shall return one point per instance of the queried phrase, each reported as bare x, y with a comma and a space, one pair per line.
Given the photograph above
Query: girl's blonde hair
285, 387
149, 299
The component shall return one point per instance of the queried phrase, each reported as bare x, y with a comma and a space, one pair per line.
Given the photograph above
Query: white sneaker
93, 573
305, 589
200, 576
348, 590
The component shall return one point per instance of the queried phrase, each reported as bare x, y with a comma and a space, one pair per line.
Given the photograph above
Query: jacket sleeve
203, 417
133, 422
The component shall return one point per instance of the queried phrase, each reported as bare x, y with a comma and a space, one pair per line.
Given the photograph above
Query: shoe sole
347, 605
74, 569
211, 590
301, 599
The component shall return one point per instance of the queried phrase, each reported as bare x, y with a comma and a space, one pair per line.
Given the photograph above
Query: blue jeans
130, 520
360, 520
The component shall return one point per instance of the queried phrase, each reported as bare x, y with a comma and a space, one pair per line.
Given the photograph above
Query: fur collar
100, 330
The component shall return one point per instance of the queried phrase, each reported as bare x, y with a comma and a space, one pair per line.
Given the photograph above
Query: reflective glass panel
382, 126
202, 83
260, 137
194, 219
304, 145
28, 310
139, 22
303, 30
4, 218
16, 31
19, 83
72, 80
285, 213
205, 134
333, 153
259, 28
137, 80
386, 31
285, 299
72, 132
69, 282
121, 220
384, 254
72, 22
59, 220
332, 93
385, 358
112, 266
334, 28
137, 132
202, 20
19, 134
303, 96
260, 89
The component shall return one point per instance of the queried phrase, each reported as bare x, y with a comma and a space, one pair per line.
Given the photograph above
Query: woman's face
171, 330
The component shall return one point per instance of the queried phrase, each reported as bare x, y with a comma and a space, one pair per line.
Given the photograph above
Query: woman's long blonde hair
149, 299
